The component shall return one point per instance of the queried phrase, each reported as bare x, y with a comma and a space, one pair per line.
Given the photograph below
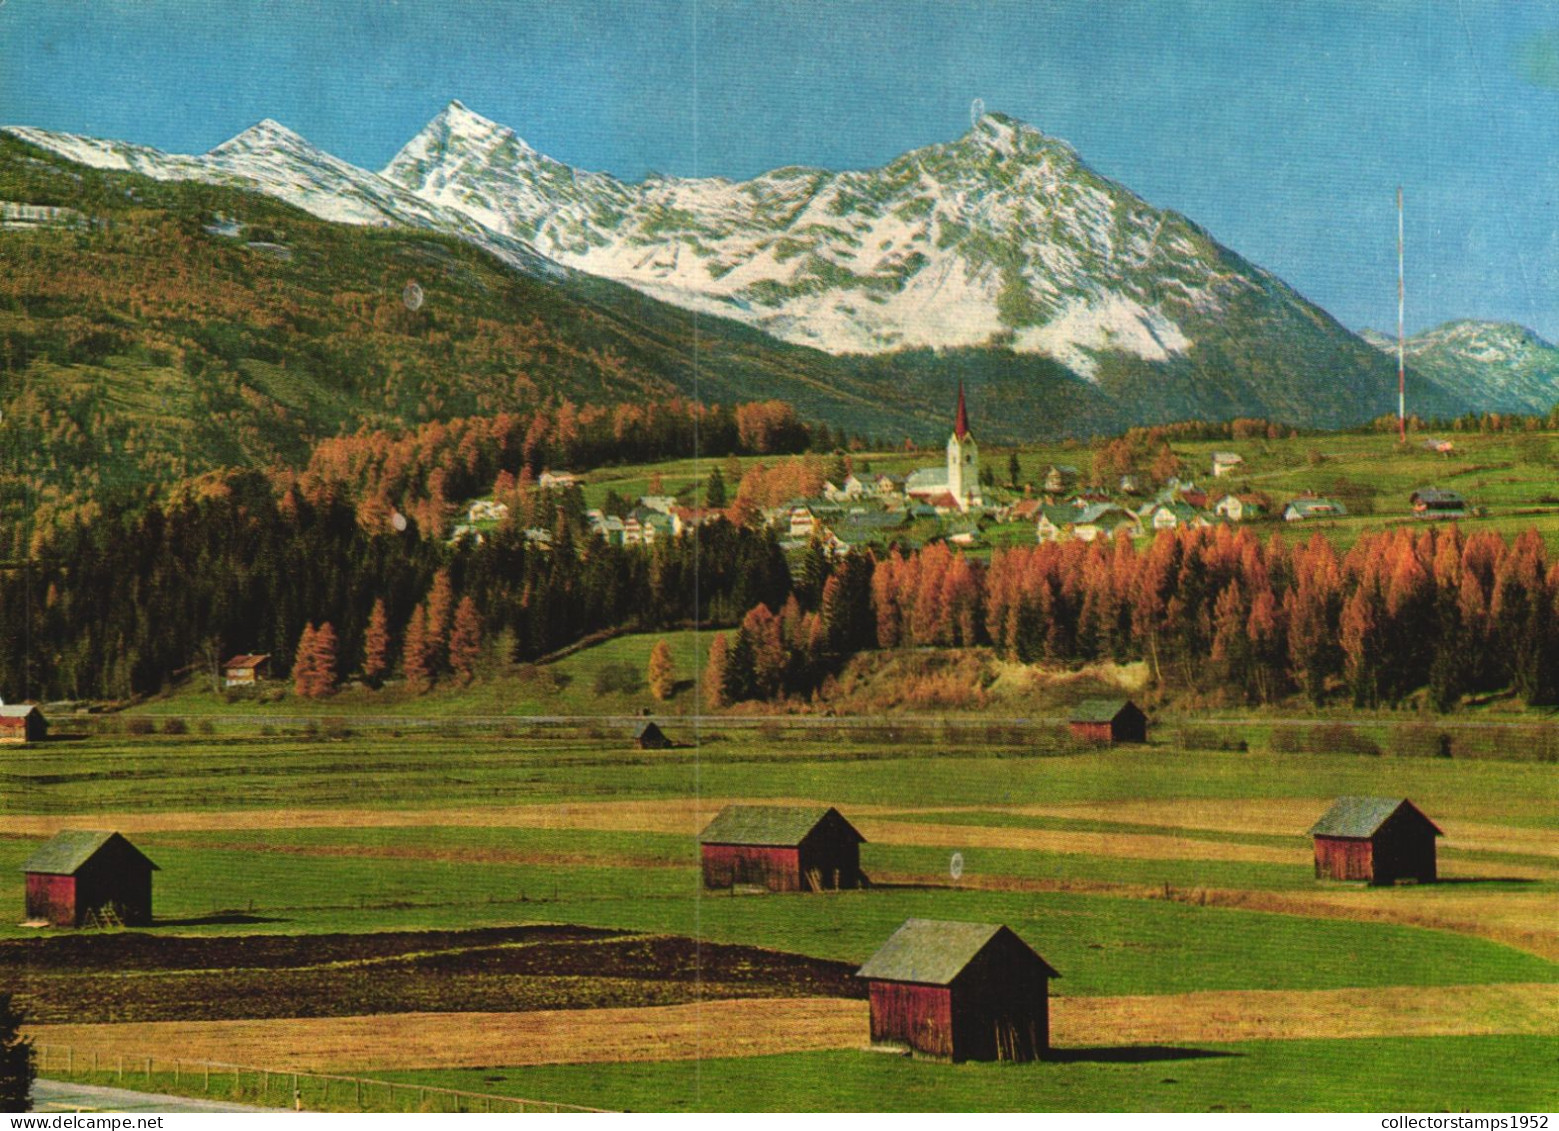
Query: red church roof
961, 424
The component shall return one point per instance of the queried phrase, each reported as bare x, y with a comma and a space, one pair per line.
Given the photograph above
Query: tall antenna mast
1401, 303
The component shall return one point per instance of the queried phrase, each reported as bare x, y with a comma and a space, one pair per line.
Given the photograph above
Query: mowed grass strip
1508, 1073
763, 1026
376, 1042
278, 780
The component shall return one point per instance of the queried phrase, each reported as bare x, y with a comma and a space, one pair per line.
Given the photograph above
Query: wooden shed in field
782, 848
83, 876
649, 736
21, 724
959, 991
1376, 839
1108, 720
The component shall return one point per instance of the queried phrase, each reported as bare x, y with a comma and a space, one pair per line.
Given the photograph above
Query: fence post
94, 1060
359, 1094
70, 1059
175, 1070
121, 1072
207, 1066
148, 1068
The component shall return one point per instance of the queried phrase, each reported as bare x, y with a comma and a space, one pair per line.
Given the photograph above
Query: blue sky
1283, 128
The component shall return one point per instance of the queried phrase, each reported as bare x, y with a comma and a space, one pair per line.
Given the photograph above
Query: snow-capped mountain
1003, 236
1493, 366
272, 159
1102, 308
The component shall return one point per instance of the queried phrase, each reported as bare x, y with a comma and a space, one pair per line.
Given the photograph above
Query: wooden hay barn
781, 848
1108, 720
82, 876
1380, 840
959, 991
246, 670
22, 724
648, 736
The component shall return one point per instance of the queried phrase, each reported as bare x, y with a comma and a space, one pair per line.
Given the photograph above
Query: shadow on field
218, 918
1448, 881
1133, 1054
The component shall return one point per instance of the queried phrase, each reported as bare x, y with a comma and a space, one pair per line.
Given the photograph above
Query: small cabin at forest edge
1376, 839
1108, 720
22, 723
85, 875
959, 991
246, 670
782, 848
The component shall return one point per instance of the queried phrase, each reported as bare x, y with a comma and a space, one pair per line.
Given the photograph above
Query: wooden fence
271, 1087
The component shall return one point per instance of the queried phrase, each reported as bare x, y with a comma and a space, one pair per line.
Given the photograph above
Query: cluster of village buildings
946, 502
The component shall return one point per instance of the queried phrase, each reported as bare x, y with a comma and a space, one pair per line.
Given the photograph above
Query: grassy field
1144, 876
1431, 1074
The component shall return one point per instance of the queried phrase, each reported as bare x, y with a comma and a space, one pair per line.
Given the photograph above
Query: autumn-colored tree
303, 663
662, 673
440, 606
376, 644
314, 665
714, 673
465, 640
416, 653
761, 632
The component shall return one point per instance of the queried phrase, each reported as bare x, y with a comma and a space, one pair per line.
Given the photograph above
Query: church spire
961, 424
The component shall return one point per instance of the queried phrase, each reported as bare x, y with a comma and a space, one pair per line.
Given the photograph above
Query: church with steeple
957, 486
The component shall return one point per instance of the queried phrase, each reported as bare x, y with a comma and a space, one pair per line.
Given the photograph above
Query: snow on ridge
1110, 322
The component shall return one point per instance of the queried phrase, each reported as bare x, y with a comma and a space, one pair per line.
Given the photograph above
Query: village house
1061, 479
782, 848
1241, 508
1380, 840
1226, 463
83, 876
1303, 509
1437, 502
1054, 523
246, 670
1104, 520
1108, 720
21, 723
959, 991
1172, 516
557, 480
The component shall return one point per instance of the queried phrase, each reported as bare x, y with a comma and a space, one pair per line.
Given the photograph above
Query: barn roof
933, 952
71, 848
247, 661
645, 728
17, 710
775, 826
1098, 710
1362, 817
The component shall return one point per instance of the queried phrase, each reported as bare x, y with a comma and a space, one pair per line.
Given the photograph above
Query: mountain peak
267, 133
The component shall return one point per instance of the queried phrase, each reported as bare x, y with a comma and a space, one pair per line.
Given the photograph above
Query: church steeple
963, 459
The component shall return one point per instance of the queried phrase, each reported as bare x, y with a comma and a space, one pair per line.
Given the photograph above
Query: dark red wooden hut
21, 724
82, 875
959, 991
649, 736
782, 848
1108, 720
1376, 839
